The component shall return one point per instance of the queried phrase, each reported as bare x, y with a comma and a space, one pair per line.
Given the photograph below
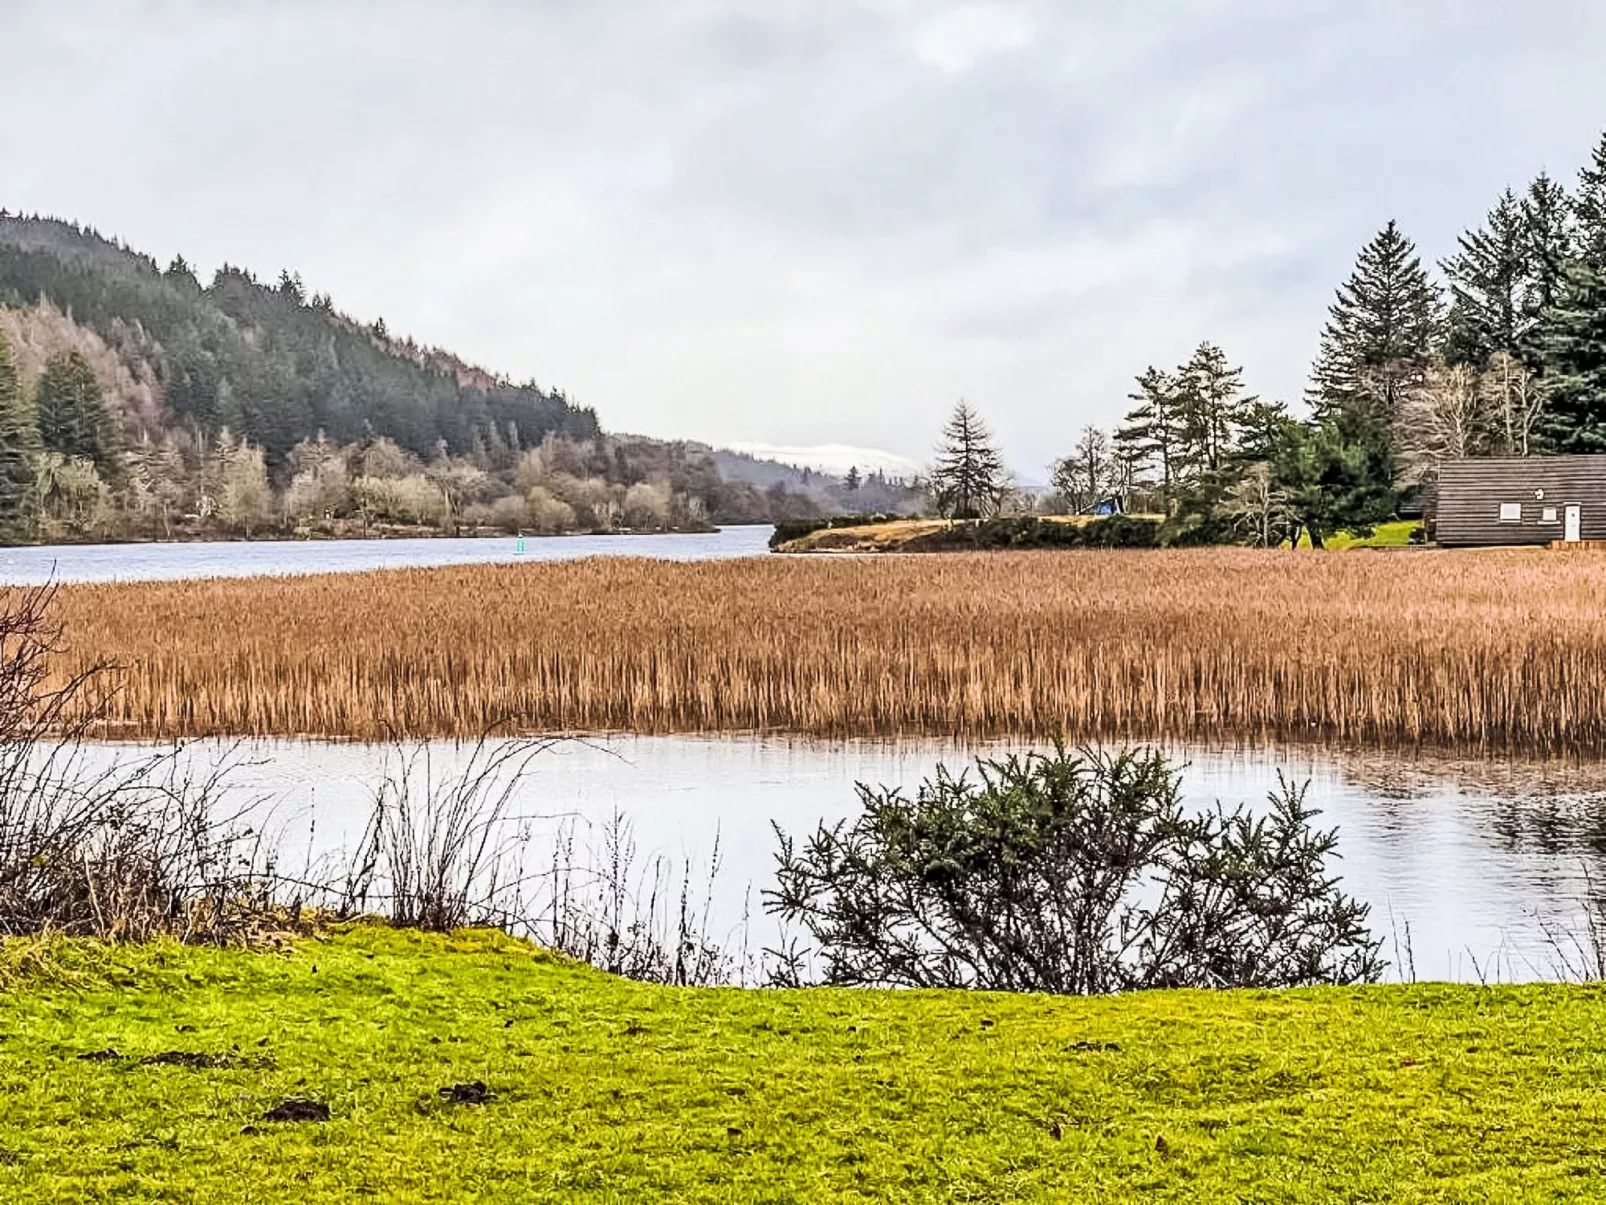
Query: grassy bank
1469, 650
1398, 534
944, 535
610, 1091
937, 535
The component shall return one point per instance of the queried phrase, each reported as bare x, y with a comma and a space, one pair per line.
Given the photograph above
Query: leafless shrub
634, 923
122, 853
443, 850
1577, 952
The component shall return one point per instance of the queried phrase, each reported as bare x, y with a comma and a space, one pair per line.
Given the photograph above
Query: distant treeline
1500, 353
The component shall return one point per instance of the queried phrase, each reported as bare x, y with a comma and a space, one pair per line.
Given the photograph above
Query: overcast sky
803, 221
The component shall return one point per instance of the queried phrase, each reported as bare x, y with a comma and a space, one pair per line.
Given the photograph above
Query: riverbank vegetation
1037, 865
472, 1064
1497, 649
1075, 874
870, 535
227, 1030
944, 535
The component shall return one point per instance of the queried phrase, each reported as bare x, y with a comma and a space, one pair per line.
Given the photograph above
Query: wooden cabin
1530, 500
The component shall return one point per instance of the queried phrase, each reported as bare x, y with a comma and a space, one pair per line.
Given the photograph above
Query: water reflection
1481, 865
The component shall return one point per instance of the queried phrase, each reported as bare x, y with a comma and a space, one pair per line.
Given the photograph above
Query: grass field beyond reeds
145, 1074
1503, 648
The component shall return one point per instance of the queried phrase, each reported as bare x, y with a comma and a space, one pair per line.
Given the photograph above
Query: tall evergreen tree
19, 450
1548, 229
1214, 408
969, 471
1575, 364
1382, 333
1152, 434
73, 418
1589, 210
1490, 280
1574, 343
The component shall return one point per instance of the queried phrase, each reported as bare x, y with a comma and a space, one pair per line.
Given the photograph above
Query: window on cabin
1511, 512
1548, 515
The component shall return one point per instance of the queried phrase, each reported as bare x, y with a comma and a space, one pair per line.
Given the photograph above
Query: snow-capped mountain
835, 459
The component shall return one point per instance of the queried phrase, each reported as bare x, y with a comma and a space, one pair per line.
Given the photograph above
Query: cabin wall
1470, 494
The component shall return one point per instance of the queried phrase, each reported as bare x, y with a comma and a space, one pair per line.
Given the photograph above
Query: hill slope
170, 409
270, 363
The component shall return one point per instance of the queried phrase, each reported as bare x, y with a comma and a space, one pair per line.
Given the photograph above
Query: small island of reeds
1496, 649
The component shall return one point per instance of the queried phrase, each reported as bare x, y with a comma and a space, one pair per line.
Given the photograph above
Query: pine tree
1152, 434
1213, 407
969, 471
1490, 280
1589, 210
19, 449
73, 418
1575, 364
1574, 343
1381, 335
1548, 228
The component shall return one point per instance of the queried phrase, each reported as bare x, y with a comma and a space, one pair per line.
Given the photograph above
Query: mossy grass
1397, 534
608, 1091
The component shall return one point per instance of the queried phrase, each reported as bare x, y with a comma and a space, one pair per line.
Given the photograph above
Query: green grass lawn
612, 1091
1386, 535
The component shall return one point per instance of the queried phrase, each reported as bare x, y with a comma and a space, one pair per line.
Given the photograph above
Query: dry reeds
1469, 649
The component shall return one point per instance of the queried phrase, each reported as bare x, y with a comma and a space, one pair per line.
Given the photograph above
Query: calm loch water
1480, 860
175, 562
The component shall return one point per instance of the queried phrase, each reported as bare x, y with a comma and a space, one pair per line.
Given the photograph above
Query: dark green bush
1074, 874
1029, 531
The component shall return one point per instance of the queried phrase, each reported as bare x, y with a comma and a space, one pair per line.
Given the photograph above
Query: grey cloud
804, 221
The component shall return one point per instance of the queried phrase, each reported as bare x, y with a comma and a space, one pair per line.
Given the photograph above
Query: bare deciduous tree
1515, 400
1446, 417
1258, 507
1089, 474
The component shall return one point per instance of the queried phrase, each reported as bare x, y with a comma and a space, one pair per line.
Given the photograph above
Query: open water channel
1477, 868
175, 562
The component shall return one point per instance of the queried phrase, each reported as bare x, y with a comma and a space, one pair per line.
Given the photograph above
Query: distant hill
837, 460
270, 363
869, 492
150, 405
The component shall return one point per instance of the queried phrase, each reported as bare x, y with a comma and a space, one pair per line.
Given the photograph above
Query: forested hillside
136, 402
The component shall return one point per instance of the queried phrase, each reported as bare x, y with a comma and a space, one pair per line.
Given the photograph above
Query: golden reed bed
1469, 649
